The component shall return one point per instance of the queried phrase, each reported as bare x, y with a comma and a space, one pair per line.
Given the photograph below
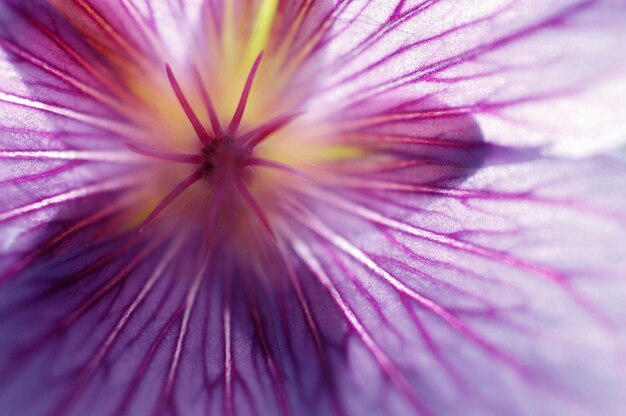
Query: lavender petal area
347, 207
529, 73
530, 296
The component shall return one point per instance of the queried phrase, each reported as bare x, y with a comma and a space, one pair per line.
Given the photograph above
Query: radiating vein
113, 126
106, 345
386, 364
113, 156
116, 184
190, 301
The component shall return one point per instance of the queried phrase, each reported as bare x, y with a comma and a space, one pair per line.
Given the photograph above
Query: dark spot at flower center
207, 167
224, 156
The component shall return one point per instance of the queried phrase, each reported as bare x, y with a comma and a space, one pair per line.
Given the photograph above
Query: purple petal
393, 298
549, 74
502, 299
445, 265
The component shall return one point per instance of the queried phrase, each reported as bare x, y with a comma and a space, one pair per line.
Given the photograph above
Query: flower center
225, 160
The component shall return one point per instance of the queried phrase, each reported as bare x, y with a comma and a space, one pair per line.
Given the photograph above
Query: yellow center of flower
233, 121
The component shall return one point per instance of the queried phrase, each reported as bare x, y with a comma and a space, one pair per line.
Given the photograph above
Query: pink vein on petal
190, 301
386, 364
103, 187
113, 156
81, 86
485, 252
96, 360
256, 208
117, 37
101, 77
344, 245
228, 352
113, 126
269, 359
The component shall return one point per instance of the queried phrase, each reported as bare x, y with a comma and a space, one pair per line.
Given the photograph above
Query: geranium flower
259, 207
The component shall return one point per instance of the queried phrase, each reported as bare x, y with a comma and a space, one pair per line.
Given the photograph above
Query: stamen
236, 121
203, 135
177, 191
208, 104
259, 134
172, 157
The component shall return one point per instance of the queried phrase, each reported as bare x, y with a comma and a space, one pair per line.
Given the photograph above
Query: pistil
225, 156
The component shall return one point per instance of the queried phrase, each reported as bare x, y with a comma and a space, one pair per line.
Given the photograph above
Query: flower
312, 207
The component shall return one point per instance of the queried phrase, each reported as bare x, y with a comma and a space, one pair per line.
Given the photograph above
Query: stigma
225, 160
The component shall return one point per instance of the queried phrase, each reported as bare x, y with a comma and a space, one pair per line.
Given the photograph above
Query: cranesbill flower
311, 207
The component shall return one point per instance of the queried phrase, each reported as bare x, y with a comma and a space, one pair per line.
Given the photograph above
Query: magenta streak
236, 121
101, 77
357, 183
394, 374
316, 225
410, 47
143, 368
249, 198
326, 23
257, 161
271, 364
304, 304
332, 255
17, 266
71, 195
232, 377
208, 104
177, 191
256, 136
229, 405
375, 138
203, 135
188, 308
544, 272
97, 359
65, 76
76, 313
32, 177
146, 32
173, 157
467, 56
434, 350
115, 35
380, 167
111, 283
397, 19
422, 259
488, 309
214, 210
311, 324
